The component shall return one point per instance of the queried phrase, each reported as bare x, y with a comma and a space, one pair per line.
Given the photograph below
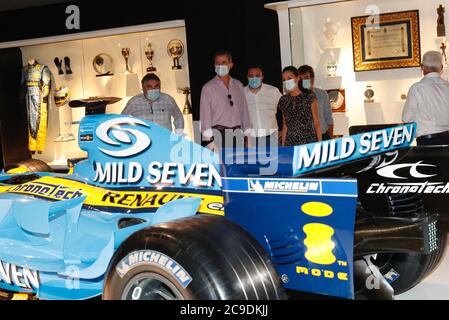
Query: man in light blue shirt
307, 76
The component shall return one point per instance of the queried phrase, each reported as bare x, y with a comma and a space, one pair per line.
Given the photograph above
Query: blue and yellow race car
150, 215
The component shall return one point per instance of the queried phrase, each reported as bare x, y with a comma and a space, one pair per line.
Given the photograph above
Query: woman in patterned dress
299, 111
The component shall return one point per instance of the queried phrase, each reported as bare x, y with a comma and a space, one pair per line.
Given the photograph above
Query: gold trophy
175, 50
125, 54
149, 52
187, 106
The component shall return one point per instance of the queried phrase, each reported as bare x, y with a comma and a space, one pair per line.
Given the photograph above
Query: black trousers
435, 141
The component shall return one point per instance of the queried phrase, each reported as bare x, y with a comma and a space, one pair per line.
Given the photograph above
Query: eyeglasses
230, 100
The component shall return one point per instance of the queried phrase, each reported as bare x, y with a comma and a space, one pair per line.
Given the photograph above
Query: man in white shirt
428, 103
262, 100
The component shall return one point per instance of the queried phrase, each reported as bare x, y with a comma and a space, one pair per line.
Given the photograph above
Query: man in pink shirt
223, 108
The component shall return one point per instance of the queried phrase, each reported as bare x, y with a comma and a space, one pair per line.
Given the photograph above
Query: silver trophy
149, 53
103, 65
175, 50
125, 54
369, 94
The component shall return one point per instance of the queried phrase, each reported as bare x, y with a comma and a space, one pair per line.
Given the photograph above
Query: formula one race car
152, 216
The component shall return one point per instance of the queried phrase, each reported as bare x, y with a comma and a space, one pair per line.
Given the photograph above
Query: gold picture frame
386, 41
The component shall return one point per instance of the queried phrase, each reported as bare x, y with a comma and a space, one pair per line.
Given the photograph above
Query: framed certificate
386, 41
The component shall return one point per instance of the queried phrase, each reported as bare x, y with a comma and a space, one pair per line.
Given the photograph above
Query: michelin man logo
256, 186
123, 137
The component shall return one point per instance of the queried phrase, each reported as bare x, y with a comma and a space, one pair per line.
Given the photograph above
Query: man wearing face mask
223, 108
262, 102
155, 106
307, 76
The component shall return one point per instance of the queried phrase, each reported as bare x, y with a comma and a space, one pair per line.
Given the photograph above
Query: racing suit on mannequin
37, 80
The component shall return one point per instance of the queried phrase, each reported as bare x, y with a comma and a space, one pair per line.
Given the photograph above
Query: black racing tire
222, 261
34, 165
411, 268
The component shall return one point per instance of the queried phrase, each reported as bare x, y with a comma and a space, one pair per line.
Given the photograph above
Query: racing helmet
62, 96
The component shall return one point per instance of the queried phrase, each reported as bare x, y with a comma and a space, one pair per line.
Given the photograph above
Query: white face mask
222, 70
290, 85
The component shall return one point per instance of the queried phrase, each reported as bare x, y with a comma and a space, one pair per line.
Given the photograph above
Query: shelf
65, 141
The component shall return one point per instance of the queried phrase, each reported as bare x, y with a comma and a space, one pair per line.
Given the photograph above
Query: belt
220, 128
223, 128
436, 135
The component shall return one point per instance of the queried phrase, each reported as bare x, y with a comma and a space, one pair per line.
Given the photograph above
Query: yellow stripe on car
20, 296
53, 188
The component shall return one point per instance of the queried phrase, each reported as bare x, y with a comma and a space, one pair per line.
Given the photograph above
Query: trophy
369, 95
103, 65
175, 50
331, 68
149, 52
187, 106
125, 54
441, 26
330, 33
443, 52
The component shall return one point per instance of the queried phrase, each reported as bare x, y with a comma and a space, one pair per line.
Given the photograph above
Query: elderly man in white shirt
428, 103
262, 100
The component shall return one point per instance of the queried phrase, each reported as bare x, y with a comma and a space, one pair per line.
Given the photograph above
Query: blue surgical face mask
307, 84
255, 82
290, 85
222, 70
153, 95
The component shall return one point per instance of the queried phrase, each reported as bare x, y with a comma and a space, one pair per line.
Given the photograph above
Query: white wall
84, 83
388, 85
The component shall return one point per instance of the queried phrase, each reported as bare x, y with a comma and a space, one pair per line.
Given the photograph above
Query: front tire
199, 258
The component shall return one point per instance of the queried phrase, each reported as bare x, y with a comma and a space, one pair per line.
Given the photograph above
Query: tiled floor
436, 287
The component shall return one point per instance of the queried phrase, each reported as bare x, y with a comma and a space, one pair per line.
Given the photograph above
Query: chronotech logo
126, 142
415, 171
392, 171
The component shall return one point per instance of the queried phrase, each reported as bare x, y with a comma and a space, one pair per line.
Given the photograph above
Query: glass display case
107, 66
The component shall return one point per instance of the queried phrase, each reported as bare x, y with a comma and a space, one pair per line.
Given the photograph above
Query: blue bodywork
61, 249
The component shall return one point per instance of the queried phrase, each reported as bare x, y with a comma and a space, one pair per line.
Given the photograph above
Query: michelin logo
138, 258
263, 186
